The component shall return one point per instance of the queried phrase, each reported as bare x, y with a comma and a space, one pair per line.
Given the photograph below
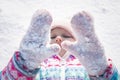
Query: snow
15, 17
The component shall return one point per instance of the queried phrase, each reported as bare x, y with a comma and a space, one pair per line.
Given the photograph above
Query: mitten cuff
17, 71
111, 73
22, 65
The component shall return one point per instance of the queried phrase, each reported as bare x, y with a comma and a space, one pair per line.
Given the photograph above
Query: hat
64, 24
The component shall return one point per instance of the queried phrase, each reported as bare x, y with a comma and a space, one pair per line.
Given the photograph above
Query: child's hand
87, 47
34, 47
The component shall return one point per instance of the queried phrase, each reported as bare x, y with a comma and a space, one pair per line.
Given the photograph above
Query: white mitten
35, 46
86, 47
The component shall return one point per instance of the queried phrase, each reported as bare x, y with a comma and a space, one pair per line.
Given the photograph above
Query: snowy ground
15, 18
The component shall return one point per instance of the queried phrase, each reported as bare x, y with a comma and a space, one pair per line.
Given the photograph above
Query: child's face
58, 35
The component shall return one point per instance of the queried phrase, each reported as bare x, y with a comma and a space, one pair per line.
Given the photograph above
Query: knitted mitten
34, 47
86, 47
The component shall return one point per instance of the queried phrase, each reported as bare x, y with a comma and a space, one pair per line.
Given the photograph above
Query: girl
60, 52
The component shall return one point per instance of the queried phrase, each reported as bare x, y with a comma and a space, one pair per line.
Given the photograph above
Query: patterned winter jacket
54, 68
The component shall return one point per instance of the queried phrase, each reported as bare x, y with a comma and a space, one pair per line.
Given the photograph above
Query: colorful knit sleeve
16, 70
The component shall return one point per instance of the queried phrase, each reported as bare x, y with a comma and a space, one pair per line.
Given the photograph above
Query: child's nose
58, 39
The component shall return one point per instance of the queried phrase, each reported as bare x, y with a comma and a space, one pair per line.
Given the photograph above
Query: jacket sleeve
16, 70
111, 73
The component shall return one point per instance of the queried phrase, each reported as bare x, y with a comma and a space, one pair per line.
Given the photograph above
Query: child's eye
66, 36
53, 37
